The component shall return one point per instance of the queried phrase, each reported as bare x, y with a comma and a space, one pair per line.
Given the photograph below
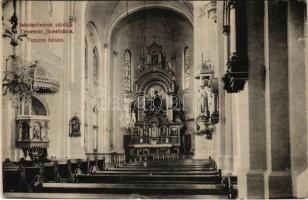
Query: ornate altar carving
155, 134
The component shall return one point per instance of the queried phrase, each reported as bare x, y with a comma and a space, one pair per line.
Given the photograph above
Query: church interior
154, 99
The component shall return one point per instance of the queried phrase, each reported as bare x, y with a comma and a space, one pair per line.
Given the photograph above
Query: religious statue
204, 95
74, 127
141, 67
174, 132
36, 131
133, 119
145, 134
25, 131
154, 130
170, 67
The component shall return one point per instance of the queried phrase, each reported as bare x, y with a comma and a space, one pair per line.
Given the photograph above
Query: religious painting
74, 127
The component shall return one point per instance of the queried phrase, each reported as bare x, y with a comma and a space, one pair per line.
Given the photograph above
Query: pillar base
301, 181
225, 164
280, 184
255, 184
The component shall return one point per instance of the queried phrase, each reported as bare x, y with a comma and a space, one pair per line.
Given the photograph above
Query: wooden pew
111, 188
11, 176
131, 178
64, 171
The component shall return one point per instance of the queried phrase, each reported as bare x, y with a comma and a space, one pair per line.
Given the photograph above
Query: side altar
157, 116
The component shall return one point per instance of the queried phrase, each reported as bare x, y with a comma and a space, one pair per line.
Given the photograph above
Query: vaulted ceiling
107, 14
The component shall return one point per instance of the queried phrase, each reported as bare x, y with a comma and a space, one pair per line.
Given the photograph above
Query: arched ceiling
107, 14
161, 23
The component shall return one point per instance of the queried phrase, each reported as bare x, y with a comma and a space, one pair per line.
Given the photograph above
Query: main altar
156, 131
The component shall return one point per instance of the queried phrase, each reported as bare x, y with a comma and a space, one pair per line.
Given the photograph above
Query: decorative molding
212, 11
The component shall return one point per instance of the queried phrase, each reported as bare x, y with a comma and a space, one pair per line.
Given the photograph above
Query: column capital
232, 4
211, 10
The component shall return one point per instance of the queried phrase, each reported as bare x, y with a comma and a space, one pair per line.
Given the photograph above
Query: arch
154, 83
158, 76
94, 46
38, 107
140, 8
35, 106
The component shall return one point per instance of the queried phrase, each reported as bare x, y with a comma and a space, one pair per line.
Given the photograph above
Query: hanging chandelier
22, 80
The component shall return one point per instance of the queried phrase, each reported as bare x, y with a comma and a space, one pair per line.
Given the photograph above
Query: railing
159, 140
107, 159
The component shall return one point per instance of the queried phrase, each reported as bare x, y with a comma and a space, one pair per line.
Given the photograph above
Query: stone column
232, 15
213, 57
115, 111
230, 47
222, 46
278, 145
249, 119
199, 142
297, 98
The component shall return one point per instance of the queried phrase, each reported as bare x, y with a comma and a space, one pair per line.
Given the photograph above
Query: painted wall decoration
127, 71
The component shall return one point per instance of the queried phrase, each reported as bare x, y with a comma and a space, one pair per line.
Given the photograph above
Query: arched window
95, 66
127, 71
186, 68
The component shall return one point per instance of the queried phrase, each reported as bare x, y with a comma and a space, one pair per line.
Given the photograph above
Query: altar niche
157, 133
